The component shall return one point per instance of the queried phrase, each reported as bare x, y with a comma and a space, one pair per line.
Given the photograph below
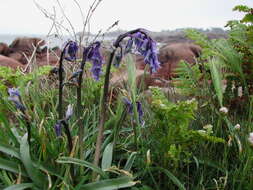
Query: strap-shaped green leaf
110, 184
34, 173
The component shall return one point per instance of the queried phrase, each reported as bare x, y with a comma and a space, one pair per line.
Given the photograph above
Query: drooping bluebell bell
129, 105
94, 55
57, 128
14, 96
140, 111
70, 51
129, 46
14, 92
145, 46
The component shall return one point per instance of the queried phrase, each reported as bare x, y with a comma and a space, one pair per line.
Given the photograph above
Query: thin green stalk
79, 108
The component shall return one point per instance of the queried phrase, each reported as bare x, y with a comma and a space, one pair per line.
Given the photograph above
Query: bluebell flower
57, 128
70, 51
14, 96
14, 92
94, 55
129, 105
145, 46
140, 112
129, 46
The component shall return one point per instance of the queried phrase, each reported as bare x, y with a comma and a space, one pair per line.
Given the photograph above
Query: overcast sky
23, 17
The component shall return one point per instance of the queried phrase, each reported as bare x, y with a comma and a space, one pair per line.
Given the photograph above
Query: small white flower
69, 111
224, 110
191, 100
162, 105
250, 139
237, 126
208, 127
202, 131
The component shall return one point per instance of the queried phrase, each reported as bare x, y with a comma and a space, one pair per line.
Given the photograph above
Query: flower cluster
130, 109
14, 96
145, 46
93, 54
70, 51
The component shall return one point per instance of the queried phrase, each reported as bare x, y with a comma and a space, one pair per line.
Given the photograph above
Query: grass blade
9, 150
68, 160
20, 186
173, 178
110, 184
130, 161
33, 172
10, 166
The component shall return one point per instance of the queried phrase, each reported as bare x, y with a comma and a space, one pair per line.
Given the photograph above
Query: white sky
23, 17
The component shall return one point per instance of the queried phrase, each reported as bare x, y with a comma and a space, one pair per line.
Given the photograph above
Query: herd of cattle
24, 50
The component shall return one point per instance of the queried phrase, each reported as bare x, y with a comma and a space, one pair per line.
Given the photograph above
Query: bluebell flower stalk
147, 48
68, 53
90, 53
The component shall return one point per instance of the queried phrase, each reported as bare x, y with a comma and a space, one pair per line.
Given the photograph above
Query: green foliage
172, 133
228, 60
8, 77
188, 78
